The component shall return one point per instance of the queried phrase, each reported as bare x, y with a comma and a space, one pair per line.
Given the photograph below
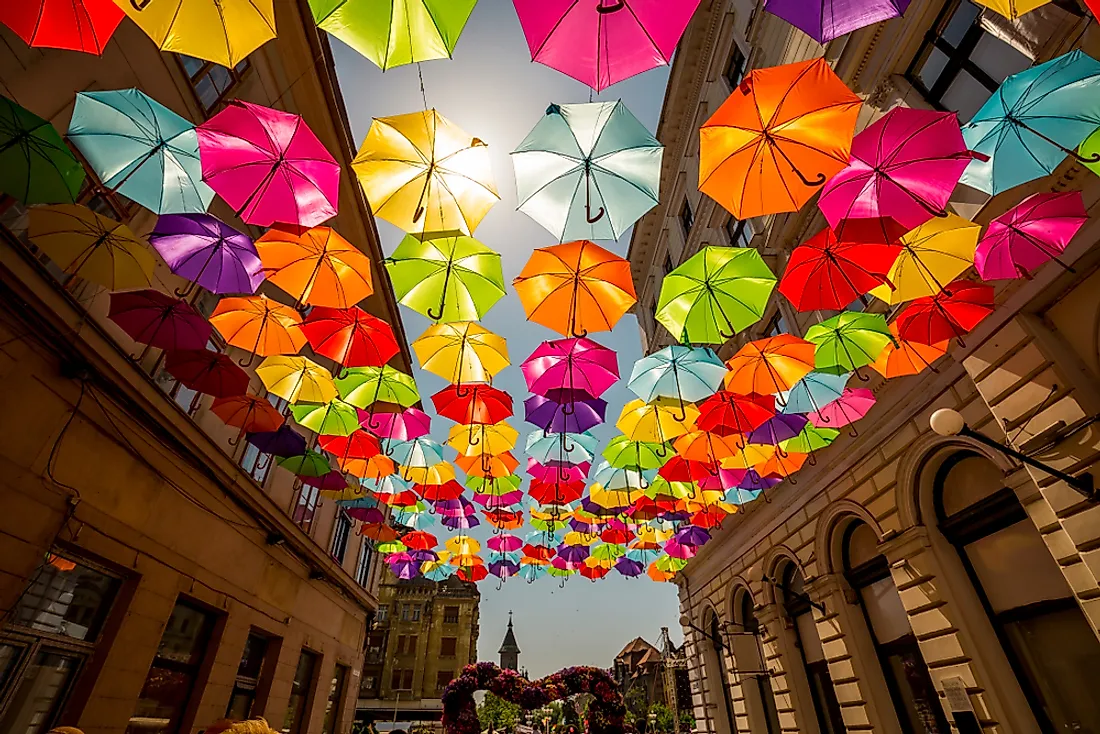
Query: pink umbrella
551, 473
404, 426
601, 42
504, 543
1037, 229
902, 168
853, 404
269, 166
571, 365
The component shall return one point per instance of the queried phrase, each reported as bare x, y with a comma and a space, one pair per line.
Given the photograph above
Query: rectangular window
406, 645
448, 647
340, 536
362, 569
740, 231
777, 325
687, 218
376, 643
442, 678
735, 68
305, 506
450, 615
416, 612
401, 680
249, 670
407, 680
335, 699
369, 684
669, 265
404, 612
301, 690
213, 84
171, 679
383, 613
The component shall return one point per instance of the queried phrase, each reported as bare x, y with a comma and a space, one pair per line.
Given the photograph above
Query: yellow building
157, 574
907, 577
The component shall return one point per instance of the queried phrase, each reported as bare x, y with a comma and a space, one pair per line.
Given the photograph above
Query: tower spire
509, 649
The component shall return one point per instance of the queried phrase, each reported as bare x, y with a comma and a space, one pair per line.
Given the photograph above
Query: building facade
425, 632
156, 572
906, 579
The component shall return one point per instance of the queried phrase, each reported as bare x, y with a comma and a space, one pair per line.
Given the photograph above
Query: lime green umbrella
848, 341
809, 440
36, 167
448, 277
395, 32
622, 453
608, 551
494, 486
714, 294
364, 386
668, 564
309, 464
328, 419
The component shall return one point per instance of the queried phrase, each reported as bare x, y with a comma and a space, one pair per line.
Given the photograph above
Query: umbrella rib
535, 52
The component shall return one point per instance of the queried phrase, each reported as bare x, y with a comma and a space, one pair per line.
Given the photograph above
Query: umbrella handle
186, 291
683, 412
726, 336
569, 409
500, 584
662, 452
248, 362
852, 431
812, 459
590, 218
140, 5
567, 449
462, 392
434, 316
583, 333
862, 377
601, 8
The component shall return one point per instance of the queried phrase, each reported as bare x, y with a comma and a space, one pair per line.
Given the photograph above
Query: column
792, 693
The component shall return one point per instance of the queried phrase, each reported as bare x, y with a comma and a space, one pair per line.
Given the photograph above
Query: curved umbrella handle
567, 447
140, 5
593, 219
462, 392
601, 8
569, 408
582, 335
562, 477
661, 452
724, 335
433, 316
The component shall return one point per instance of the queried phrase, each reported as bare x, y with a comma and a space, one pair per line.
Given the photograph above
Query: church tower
509, 650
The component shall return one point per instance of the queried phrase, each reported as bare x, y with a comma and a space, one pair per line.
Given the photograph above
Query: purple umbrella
328, 482
423, 555
370, 515
504, 569
824, 20
576, 417
629, 567
779, 428
571, 364
573, 553
206, 251
403, 565
282, 443
583, 527
599, 510
753, 481
454, 508
691, 535
460, 523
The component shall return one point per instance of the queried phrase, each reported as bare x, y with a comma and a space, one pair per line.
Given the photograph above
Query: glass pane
883, 604
335, 697
969, 481
221, 78
960, 23
252, 659
303, 682
966, 95
185, 636
295, 712
930, 70
917, 702
208, 93
192, 65
9, 656
807, 635
1015, 568
240, 704
162, 702
34, 702
66, 598
828, 708
997, 58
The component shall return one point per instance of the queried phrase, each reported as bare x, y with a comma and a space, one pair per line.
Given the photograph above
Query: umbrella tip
553, 109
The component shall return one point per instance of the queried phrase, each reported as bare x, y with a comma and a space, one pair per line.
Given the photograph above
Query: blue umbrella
414, 520
812, 392
441, 572
612, 478
530, 572
1033, 121
687, 374
419, 452
571, 448
141, 149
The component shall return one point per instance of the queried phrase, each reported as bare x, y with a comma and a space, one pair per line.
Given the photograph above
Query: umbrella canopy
447, 278
781, 135
395, 32
904, 357
317, 267
573, 364
365, 386
682, 373
335, 418
416, 453
852, 405
1013, 9
932, 255
461, 352
282, 442
588, 171
473, 404
577, 416
605, 41
307, 464
350, 336
258, 325
71, 25
221, 31
250, 413
208, 372
953, 312
714, 294
575, 288
769, 365
848, 341
479, 438
813, 391
824, 20
141, 149
1033, 121
1034, 231
93, 247
268, 165
296, 379
160, 321
729, 413
780, 427
358, 446
408, 424
36, 167
623, 453
422, 173
565, 448
207, 251
827, 273
656, 422
811, 438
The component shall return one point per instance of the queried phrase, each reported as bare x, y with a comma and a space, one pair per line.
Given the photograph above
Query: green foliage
499, 714
687, 720
662, 718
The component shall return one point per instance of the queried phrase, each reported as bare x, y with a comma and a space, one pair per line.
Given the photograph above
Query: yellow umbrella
609, 498
461, 352
483, 438
95, 248
662, 420
649, 535
422, 173
440, 473
1012, 9
748, 456
444, 559
576, 538
462, 545
297, 379
353, 491
935, 254
222, 31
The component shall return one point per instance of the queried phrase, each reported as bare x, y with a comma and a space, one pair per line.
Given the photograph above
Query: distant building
509, 649
661, 673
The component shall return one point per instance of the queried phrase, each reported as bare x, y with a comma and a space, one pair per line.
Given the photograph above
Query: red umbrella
157, 320
728, 413
647, 508
208, 372
472, 573
72, 25
594, 572
827, 273
711, 517
619, 536
404, 498
679, 469
419, 540
250, 413
952, 312
326, 482
469, 404
555, 493
450, 490
359, 445
350, 336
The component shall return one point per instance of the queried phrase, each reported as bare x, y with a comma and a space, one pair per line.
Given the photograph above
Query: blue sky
493, 91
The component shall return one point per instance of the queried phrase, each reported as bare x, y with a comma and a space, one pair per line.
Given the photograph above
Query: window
448, 647
98, 197
450, 615
750, 656
416, 612
777, 324
213, 84
960, 64
369, 684
740, 231
401, 680
383, 612
376, 645
257, 464
687, 218
249, 671
305, 506
916, 701
362, 569
171, 679
669, 265
335, 699
406, 644
442, 679
798, 608
184, 397
1045, 636
301, 690
714, 654
340, 535
735, 68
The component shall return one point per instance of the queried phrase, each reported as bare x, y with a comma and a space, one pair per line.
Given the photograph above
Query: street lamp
948, 422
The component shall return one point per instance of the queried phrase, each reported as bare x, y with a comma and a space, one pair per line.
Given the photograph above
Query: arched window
717, 678
915, 699
799, 609
757, 686
1046, 637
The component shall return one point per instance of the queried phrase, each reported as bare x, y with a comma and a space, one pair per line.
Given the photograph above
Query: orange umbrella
903, 357
317, 266
378, 532
250, 413
782, 464
777, 139
487, 466
705, 447
575, 288
376, 467
657, 574
259, 325
770, 365
504, 519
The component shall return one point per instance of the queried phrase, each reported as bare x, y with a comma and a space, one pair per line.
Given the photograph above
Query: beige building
157, 574
906, 577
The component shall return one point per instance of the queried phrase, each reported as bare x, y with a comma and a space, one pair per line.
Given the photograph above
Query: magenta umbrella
157, 320
504, 543
601, 42
552, 473
1036, 230
207, 251
903, 168
403, 565
407, 425
853, 404
269, 166
571, 365
824, 20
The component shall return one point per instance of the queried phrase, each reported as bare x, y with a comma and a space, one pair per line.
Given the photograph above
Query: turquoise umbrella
141, 149
1033, 121
813, 392
588, 171
687, 374
419, 452
36, 167
571, 448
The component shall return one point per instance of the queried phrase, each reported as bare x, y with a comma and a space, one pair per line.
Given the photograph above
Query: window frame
736, 232
742, 66
341, 534
298, 724
363, 570
457, 615
338, 689
442, 649
237, 75
256, 689
763, 681
687, 218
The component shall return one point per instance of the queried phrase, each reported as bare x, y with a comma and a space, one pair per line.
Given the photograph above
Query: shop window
448, 647
301, 692
335, 699
735, 67
171, 679
798, 608
340, 535
750, 656
740, 231
442, 679
212, 83
450, 615
250, 670
362, 568
687, 218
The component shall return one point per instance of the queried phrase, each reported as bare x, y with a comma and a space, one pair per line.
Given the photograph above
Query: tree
662, 718
497, 713
687, 721
637, 707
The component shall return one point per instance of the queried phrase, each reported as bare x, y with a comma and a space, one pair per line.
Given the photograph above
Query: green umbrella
329, 419
395, 32
809, 440
494, 486
848, 341
309, 464
447, 277
622, 453
608, 551
36, 167
668, 564
364, 386
714, 294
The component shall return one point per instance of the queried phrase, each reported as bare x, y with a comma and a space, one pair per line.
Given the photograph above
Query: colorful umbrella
152, 318
1013, 9
573, 365
93, 247
267, 164
682, 373
812, 391
781, 135
473, 404
577, 416
71, 25
296, 379
729, 413
623, 453
258, 325
446, 277
599, 147
356, 447
461, 352
811, 438
307, 464
335, 418
777, 429
904, 357
408, 424
571, 448
365, 386
824, 20
575, 288
656, 422
848, 341
714, 294
350, 336
769, 365
556, 492
1034, 231
422, 173
825, 273
317, 267
250, 413
848, 408
207, 371
603, 42
283, 442
482, 438
950, 314
36, 167
207, 251
222, 31
141, 149
933, 255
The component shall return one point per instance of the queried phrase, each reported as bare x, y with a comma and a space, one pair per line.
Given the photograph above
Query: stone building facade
903, 566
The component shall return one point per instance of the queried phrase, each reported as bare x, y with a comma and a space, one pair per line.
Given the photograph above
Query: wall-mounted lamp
756, 574
948, 422
685, 621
